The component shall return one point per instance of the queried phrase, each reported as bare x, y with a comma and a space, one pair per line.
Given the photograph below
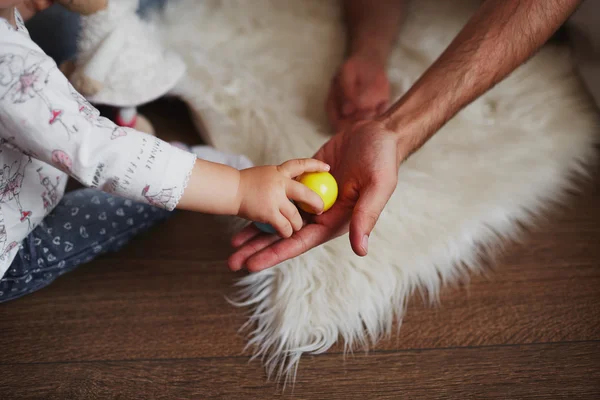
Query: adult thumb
369, 206
369, 98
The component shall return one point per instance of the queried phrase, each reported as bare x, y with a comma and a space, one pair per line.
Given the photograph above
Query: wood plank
566, 370
163, 297
159, 309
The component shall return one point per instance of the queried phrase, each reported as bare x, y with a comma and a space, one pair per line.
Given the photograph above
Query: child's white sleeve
45, 117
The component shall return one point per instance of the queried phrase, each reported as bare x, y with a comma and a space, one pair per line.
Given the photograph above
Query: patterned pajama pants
85, 224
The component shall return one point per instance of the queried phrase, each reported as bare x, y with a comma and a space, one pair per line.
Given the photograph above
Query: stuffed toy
120, 61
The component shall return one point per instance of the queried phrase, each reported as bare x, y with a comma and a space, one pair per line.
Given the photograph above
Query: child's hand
265, 192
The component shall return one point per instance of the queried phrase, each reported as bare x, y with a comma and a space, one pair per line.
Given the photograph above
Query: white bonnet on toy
120, 61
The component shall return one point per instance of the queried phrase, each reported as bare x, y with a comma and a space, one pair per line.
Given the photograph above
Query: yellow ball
322, 183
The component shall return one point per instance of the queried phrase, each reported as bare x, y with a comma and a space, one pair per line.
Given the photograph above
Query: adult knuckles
382, 181
368, 215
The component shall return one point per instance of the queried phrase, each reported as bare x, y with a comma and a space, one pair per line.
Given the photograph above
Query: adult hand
365, 156
364, 160
359, 90
29, 8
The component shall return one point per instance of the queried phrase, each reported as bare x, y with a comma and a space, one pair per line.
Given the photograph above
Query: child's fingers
294, 168
282, 225
289, 210
299, 192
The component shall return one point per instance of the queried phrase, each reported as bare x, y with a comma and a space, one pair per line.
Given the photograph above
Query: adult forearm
372, 26
499, 37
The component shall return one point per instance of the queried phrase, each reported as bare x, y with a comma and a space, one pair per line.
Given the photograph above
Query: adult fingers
238, 259
382, 107
309, 236
369, 100
371, 94
369, 206
29, 8
249, 232
363, 115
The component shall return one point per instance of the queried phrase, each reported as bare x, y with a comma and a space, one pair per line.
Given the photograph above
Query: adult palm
364, 159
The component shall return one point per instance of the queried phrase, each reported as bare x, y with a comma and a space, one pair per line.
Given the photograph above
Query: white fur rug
258, 75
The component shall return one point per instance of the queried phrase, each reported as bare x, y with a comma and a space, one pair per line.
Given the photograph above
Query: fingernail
327, 167
347, 109
365, 243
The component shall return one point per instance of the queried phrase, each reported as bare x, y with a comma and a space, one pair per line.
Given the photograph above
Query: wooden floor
152, 323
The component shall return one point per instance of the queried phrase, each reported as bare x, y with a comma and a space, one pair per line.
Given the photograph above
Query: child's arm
259, 194
42, 115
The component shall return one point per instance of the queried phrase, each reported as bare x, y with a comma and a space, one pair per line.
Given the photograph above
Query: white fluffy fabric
258, 73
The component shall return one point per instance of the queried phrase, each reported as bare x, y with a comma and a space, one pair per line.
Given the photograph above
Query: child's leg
84, 225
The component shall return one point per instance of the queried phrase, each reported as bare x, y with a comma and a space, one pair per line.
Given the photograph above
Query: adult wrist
409, 134
413, 120
426, 107
371, 47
